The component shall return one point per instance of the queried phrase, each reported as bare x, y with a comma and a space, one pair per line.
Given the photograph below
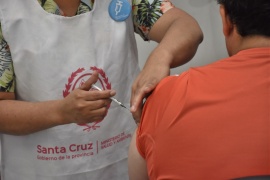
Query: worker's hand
83, 105
144, 84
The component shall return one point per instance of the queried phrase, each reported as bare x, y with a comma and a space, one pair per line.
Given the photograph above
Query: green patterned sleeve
146, 13
7, 83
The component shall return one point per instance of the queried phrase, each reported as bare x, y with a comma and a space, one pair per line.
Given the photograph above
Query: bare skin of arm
80, 106
137, 168
179, 36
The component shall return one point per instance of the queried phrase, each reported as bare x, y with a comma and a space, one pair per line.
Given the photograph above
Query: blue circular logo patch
119, 10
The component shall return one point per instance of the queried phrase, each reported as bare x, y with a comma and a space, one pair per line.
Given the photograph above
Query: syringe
113, 99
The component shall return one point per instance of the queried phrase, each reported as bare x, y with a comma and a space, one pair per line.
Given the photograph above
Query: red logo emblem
77, 78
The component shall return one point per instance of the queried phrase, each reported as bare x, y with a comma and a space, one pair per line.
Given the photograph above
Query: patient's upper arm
136, 164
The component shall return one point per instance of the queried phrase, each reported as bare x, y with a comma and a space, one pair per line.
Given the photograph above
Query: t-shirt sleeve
152, 120
146, 13
7, 83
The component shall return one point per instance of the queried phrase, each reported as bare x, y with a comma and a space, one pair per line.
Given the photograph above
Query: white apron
52, 55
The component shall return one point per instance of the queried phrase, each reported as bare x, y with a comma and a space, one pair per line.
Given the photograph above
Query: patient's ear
226, 22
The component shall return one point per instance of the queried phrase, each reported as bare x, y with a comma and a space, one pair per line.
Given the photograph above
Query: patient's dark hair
251, 17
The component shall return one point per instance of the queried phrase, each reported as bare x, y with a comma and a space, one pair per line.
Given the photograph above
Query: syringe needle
113, 99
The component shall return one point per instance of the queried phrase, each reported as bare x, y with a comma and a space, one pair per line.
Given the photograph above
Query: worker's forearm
179, 40
21, 118
181, 46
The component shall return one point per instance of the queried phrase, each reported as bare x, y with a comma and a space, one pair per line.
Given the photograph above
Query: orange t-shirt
211, 122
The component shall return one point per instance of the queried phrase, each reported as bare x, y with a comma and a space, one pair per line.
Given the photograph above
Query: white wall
206, 12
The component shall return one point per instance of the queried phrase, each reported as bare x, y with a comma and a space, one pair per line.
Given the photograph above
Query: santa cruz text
58, 150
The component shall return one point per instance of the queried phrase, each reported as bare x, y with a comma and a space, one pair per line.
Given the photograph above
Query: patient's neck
250, 42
